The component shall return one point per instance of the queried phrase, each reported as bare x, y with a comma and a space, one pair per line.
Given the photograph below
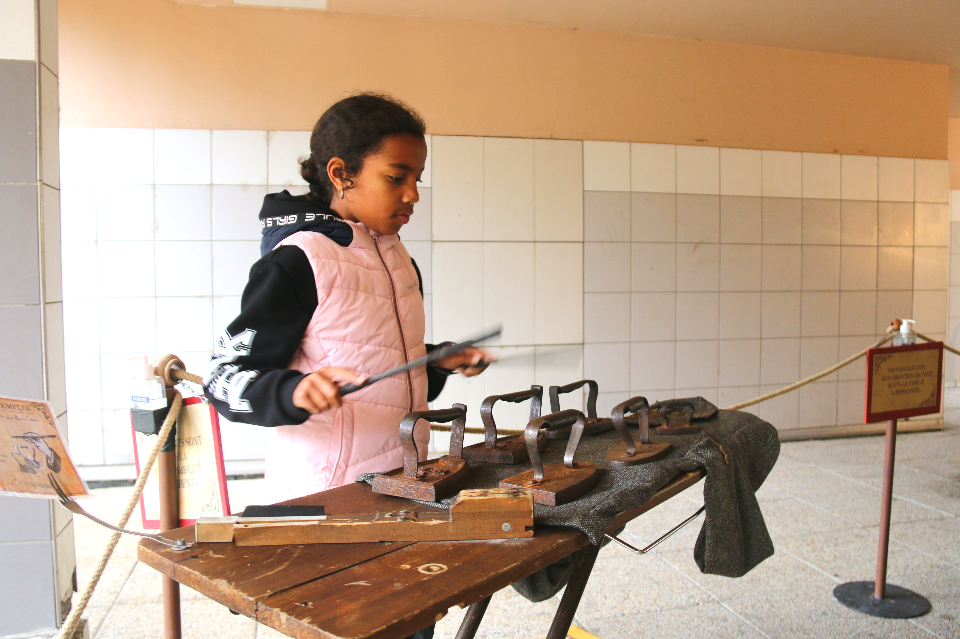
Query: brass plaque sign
904, 381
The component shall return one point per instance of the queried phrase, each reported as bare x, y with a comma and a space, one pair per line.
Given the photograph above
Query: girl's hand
320, 390
470, 361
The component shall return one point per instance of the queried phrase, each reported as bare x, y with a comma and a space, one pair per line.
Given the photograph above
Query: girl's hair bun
352, 129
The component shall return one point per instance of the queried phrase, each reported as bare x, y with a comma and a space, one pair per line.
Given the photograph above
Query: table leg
573, 593
471, 622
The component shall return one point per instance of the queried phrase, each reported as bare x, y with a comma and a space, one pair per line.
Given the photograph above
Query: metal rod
663, 537
433, 356
77, 509
169, 519
573, 593
889, 455
471, 622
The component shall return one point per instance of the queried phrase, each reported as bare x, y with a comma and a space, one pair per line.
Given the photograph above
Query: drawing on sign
51, 457
31, 448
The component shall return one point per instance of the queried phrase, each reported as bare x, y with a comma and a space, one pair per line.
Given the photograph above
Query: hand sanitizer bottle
906, 335
147, 390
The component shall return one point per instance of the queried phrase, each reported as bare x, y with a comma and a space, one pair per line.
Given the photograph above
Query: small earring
341, 191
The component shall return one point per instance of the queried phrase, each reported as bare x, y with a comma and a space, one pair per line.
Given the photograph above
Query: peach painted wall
156, 64
954, 153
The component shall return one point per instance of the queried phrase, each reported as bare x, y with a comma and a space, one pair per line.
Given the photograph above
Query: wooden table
378, 590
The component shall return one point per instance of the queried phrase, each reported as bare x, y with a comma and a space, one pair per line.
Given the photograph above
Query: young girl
335, 298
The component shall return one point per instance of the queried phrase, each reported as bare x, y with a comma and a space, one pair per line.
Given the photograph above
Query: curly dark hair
351, 130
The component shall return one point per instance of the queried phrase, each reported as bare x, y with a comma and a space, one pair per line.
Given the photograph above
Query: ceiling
915, 30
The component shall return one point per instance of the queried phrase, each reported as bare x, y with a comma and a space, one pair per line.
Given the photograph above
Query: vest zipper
396, 310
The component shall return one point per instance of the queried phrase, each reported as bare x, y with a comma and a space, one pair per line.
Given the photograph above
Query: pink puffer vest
365, 319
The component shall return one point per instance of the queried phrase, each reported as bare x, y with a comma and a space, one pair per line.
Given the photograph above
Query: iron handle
677, 405
554, 421
535, 394
637, 405
594, 390
457, 415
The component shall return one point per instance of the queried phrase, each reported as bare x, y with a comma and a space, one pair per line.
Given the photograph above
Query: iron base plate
899, 603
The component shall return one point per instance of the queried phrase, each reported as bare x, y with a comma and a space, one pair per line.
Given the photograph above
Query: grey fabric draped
734, 537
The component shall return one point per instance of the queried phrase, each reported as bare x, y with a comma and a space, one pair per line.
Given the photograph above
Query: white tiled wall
656, 269
159, 230
953, 309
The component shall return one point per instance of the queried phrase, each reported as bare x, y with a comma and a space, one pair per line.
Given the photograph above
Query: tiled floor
821, 504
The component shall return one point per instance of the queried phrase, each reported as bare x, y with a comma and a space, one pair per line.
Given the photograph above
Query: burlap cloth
734, 537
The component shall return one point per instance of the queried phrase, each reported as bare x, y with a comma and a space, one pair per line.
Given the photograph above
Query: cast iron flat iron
677, 415
704, 411
629, 453
511, 449
595, 425
555, 484
434, 479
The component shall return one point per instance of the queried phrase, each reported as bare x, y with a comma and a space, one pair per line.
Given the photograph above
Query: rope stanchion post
72, 621
171, 368
169, 519
879, 598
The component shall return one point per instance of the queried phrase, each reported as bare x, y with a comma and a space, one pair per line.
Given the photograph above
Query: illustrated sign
200, 473
33, 452
904, 381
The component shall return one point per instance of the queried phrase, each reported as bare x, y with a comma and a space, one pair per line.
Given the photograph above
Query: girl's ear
336, 172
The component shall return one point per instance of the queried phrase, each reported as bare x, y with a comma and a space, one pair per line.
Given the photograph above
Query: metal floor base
899, 603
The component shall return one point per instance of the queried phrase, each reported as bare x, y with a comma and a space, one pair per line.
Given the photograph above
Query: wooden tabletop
371, 591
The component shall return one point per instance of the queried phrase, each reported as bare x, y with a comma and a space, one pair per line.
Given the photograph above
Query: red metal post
889, 455
169, 519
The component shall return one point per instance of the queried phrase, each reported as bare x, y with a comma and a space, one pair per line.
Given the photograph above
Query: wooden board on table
397, 594
473, 515
239, 577
560, 484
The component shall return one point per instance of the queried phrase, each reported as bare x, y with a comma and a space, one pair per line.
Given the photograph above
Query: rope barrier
756, 400
812, 378
73, 619
184, 376
945, 347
